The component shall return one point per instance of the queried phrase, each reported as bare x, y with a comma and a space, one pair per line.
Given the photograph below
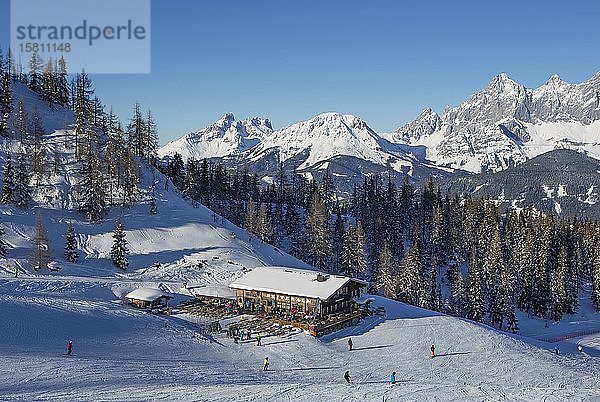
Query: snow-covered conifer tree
39, 153
119, 250
48, 85
265, 230
21, 123
21, 194
6, 106
3, 244
387, 279
317, 236
596, 273
410, 286
8, 181
557, 287
35, 69
40, 253
360, 257
71, 254
153, 206
136, 131
62, 86
512, 323
251, 219
348, 251
150, 138
473, 292
293, 227
92, 203
457, 289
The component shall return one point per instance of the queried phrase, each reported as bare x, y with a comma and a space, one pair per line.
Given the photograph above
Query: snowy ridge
563, 181
329, 135
226, 137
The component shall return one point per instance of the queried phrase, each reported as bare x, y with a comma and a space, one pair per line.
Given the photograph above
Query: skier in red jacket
432, 350
69, 347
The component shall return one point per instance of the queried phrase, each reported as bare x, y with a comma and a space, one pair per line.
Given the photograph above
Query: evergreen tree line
466, 257
107, 155
458, 255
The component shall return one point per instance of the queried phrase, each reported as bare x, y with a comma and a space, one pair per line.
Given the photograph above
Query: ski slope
125, 354
183, 242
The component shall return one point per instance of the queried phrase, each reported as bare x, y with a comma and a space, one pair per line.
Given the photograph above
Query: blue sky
383, 61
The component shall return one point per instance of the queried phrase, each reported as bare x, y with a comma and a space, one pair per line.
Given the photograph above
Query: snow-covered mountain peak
218, 128
503, 83
426, 123
555, 80
332, 120
324, 125
326, 136
227, 117
258, 122
226, 137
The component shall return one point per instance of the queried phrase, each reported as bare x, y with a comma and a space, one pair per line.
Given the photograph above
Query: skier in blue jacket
393, 377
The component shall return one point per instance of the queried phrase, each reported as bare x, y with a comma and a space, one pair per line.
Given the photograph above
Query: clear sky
383, 61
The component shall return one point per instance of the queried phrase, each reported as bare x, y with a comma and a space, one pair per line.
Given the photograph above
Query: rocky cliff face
499, 127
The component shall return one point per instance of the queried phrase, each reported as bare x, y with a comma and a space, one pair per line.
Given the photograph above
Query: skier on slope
432, 350
579, 348
69, 347
349, 343
266, 364
556, 350
393, 377
347, 376
258, 340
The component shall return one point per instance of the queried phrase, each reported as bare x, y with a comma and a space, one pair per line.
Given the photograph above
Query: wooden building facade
301, 293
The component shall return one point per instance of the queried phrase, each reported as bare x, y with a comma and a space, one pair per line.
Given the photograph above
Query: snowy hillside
53, 118
563, 181
122, 353
181, 242
226, 137
506, 124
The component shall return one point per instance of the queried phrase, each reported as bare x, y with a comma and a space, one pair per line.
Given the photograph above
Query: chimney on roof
321, 278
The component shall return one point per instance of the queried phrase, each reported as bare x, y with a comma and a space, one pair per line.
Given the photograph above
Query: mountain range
506, 124
498, 128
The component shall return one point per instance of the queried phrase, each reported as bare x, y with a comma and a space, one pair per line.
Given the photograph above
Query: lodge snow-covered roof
146, 294
219, 291
292, 281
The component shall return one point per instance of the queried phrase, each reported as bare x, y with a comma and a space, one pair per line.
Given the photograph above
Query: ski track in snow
124, 353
